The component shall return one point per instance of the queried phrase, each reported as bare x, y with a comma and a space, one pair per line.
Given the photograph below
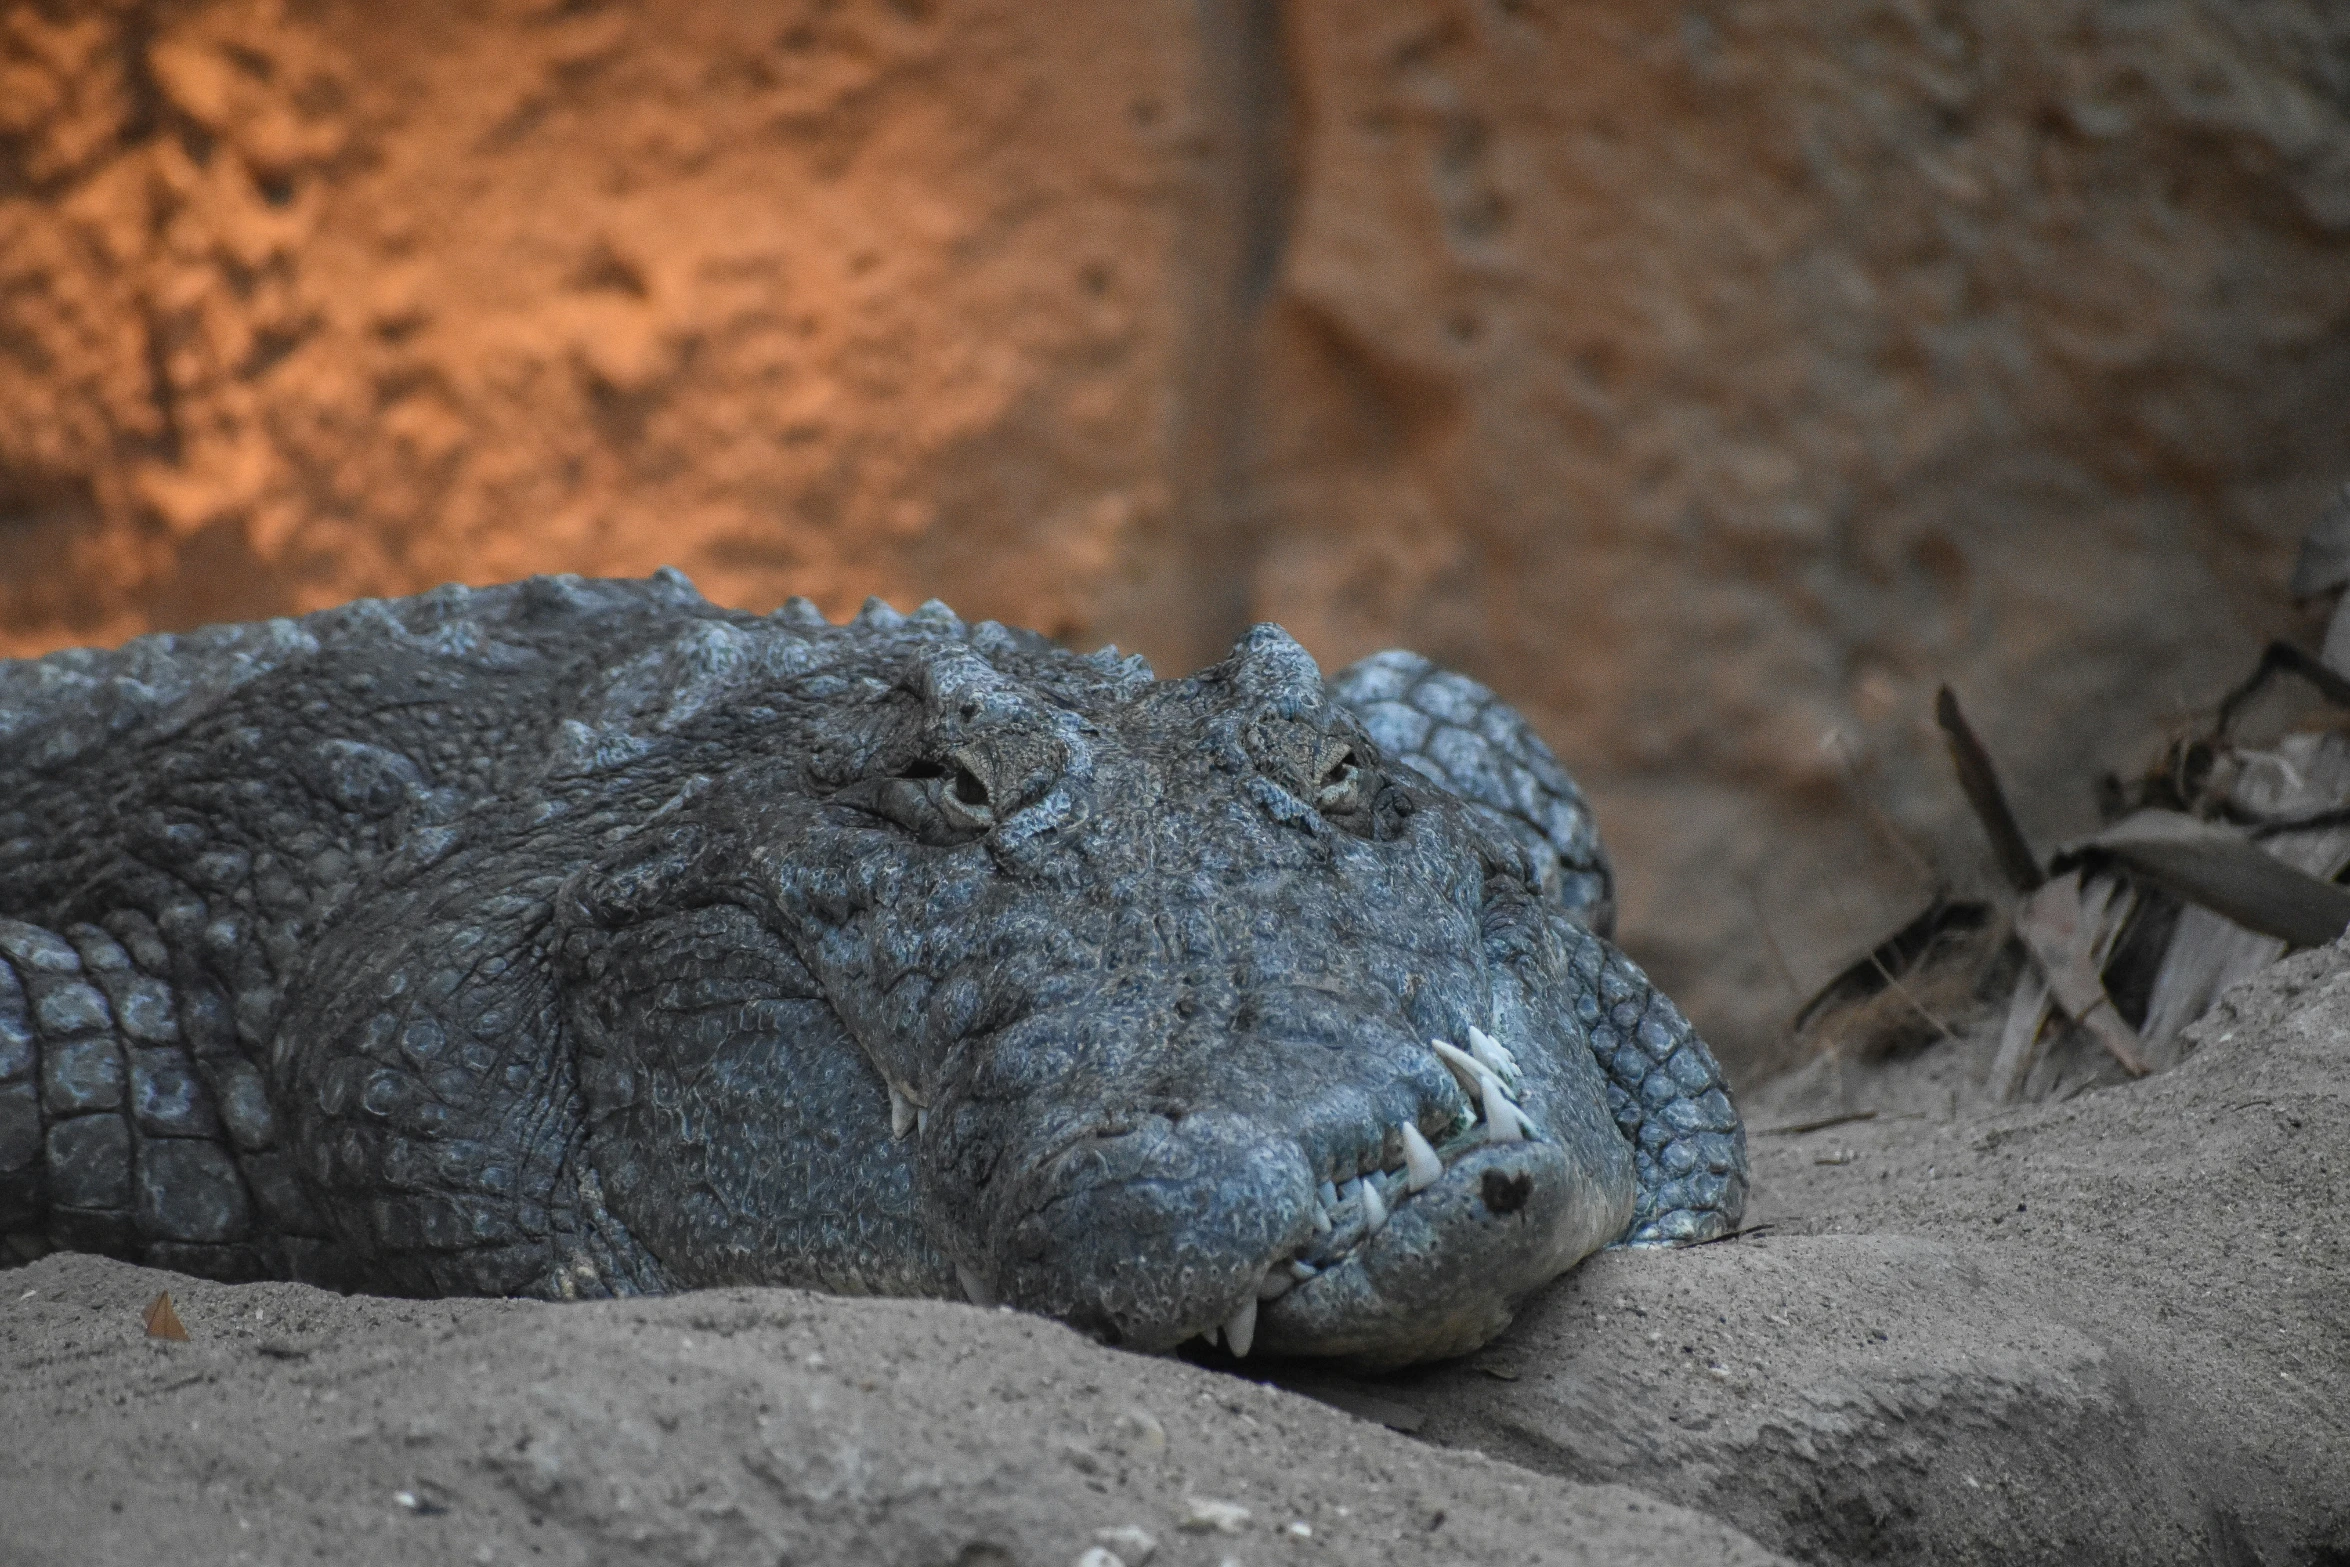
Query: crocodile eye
964, 800
1340, 787
959, 794
940, 802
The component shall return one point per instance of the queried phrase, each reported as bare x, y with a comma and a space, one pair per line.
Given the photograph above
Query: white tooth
1240, 1329
1420, 1164
1505, 1122
901, 1113
921, 1123
1490, 1051
1374, 1208
1321, 1219
1302, 1270
1210, 1336
1329, 1195
1473, 1073
1277, 1282
975, 1287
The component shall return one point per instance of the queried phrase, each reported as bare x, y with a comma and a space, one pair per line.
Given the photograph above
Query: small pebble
1131, 1544
1202, 1515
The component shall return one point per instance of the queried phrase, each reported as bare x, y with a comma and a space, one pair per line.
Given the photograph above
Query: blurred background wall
1714, 377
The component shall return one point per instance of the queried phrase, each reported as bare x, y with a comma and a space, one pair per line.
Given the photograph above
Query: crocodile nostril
968, 788
1506, 1194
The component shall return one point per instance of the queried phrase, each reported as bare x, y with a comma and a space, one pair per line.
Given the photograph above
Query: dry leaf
2222, 869
162, 1321
2069, 929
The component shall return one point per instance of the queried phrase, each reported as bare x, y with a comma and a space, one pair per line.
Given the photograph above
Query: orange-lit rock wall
1714, 378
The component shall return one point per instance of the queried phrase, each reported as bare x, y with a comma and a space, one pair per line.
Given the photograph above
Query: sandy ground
745, 1426
2112, 1329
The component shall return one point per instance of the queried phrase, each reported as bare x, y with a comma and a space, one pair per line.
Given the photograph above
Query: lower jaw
1447, 1272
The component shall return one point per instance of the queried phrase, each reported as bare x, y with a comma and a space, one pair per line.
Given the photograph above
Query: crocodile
576, 938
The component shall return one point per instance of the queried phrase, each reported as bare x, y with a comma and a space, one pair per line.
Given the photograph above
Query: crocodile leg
1668, 1097
114, 1135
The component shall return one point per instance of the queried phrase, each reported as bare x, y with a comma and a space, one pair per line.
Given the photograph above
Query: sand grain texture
733, 1426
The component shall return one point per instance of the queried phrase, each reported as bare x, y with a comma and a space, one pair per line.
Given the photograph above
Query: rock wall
1714, 379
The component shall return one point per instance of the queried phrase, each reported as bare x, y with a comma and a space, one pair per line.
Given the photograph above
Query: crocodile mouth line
1350, 1214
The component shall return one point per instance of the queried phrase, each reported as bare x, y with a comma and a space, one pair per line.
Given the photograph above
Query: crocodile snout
1394, 1206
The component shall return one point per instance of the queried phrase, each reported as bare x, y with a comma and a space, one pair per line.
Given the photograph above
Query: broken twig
1848, 770
1801, 1127
1882, 967
1735, 1235
1980, 782
2283, 658
1762, 922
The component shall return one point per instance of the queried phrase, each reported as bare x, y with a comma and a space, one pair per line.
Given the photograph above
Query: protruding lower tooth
901, 1113
1321, 1219
1277, 1282
1374, 1208
1240, 1329
1329, 1194
1420, 1164
1504, 1121
1302, 1270
1492, 1052
974, 1287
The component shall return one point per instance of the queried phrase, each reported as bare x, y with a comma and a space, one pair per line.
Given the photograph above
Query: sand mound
737, 1426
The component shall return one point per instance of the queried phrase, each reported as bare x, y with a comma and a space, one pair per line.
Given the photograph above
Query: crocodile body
583, 938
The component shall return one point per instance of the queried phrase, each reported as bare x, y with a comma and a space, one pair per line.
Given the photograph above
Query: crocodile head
1187, 1012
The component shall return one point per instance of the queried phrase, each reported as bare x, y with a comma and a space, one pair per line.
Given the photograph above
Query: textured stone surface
1707, 378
